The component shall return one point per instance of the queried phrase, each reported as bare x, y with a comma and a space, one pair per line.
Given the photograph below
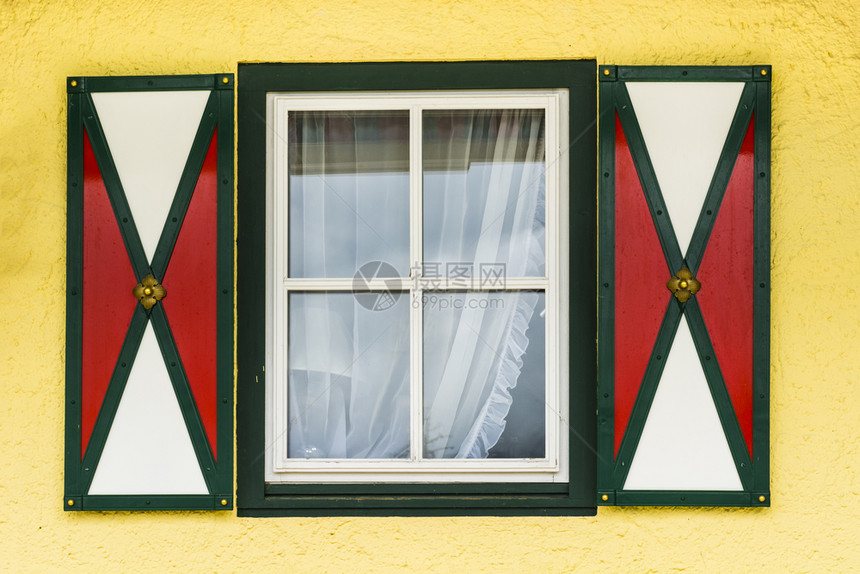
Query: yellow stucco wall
814, 49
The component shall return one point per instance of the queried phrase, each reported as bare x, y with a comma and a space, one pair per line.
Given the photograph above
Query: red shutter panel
684, 278
193, 267
150, 298
728, 262
640, 296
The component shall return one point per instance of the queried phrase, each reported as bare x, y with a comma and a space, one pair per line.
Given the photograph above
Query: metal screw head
605, 71
70, 502
761, 498
225, 80
223, 502
604, 498
764, 72
74, 83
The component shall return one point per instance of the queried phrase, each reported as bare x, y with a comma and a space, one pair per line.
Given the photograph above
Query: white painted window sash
281, 468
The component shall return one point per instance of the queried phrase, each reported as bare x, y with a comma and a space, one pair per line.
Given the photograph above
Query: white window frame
554, 466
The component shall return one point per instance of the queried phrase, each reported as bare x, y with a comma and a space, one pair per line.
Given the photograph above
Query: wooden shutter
149, 331
684, 285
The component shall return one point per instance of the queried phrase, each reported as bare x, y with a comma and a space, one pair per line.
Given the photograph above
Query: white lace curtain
349, 205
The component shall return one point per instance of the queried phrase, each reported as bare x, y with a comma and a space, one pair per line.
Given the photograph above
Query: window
399, 345
416, 302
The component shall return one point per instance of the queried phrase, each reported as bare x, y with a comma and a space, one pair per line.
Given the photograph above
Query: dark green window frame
576, 497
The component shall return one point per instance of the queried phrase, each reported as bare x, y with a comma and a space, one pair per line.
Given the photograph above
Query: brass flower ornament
149, 291
683, 285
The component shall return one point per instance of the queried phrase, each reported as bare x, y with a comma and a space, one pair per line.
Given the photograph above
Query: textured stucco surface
813, 47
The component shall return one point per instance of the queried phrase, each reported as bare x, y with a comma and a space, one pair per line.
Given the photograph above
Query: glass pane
484, 192
349, 191
348, 375
484, 374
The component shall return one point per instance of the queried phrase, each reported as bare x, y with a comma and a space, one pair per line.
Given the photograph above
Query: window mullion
348, 284
416, 318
